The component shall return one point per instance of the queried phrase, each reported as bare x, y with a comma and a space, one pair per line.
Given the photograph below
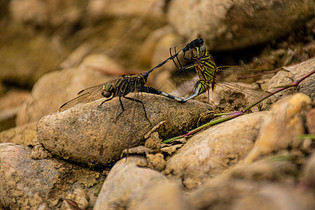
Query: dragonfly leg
179, 66
197, 91
105, 101
122, 107
136, 100
158, 92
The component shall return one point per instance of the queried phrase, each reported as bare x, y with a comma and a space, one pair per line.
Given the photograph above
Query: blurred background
51, 49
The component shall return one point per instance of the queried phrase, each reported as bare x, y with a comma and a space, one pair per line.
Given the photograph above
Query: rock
20, 53
126, 184
149, 9
210, 152
156, 161
151, 50
278, 168
166, 195
94, 135
26, 183
308, 173
220, 192
235, 24
9, 106
274, 197
310, 121
291, 74
55, 88
281, 126
242, 181
48, 13
24, 135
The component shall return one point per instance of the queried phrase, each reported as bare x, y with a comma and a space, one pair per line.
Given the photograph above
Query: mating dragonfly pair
202, 62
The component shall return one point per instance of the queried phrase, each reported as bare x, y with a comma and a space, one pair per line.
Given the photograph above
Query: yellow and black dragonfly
202, 62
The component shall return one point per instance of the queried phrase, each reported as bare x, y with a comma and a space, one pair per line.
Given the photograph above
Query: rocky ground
88, 158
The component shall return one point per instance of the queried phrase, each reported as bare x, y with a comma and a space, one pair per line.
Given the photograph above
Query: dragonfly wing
84, 96
243, 73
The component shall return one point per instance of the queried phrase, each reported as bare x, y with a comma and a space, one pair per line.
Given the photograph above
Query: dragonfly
124, 84
207, 70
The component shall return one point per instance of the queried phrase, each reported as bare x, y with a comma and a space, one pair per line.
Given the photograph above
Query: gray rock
210, 152
94, 135
237, 24
126, 184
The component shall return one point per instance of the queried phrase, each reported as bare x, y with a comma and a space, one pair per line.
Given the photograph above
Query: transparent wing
243, 73
84, 96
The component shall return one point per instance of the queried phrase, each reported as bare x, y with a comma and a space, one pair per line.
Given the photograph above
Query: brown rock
9, 106
25, 56
24, 135
276, 197
150, 9
221, 192
281, 126
55, 88
166, 195
93, 135
310, 121
24, 180
26, 183
210, 152
291, 74
126, 184
231, 24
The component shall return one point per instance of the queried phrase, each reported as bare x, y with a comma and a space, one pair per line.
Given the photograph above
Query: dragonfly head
107, 90
198, 52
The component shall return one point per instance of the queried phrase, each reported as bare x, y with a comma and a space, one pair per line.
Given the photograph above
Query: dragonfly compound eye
202, 50
107, 90
106, 94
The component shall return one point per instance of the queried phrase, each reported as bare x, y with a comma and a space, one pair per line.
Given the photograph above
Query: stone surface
150, 9
290, 74
310, 121
126, 184
241, 181
24, 135
276, 197
55, 88
210, 152
281, 126
220, 192
9, 106
93, 135
26, 183
231, 24
308, 173
25, 56
166, 195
